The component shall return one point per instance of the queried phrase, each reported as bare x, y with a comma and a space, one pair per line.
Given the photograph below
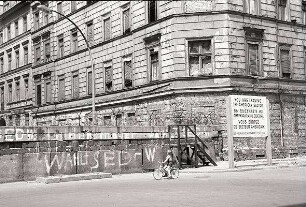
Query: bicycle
160, 172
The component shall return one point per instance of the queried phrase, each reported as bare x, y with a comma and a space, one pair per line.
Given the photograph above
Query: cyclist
169, 162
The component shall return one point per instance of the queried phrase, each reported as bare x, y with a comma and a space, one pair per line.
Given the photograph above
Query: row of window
17, 90
14, 29
283, 9
14, 58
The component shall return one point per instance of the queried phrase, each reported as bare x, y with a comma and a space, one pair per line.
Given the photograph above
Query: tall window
305, 61
36, 20
128, 74
200, 57
252, 6
16, 28
154, 65
10, 92
107, 29
47, 50
26, 88
304, 11
27, 120
48, 90
9, 32
25, 23
89, 83
108, 78
2, 97
90, 32
26, 55
38, 94
9, 57
282, 10
46, 14
73, 6
61, 88
74, 41
152, 8
1, 37
17, 89
37, 53
1, 65
75, 84
17, 120
60, 46
285, 61
59, 9
126, 20
17, 58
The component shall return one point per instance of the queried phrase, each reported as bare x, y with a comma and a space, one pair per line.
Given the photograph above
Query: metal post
179, 147
94, 121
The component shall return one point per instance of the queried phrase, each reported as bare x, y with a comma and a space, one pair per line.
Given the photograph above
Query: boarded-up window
75, 85
200, 58
154, 64
152, 8
108, 78
73, 6
37, 53
17, 58
9, 57
59, 9
48, 91
128, 74
253, 60
285, 62
90, 32
74, 41
61, 88
126, 21
1, 65
107, 29
89, 83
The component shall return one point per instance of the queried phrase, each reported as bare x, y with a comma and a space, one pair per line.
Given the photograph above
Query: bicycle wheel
157, 174
174, 173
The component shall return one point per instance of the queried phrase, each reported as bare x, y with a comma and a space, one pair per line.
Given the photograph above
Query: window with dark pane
282, 9
89, 83
26, 55
152, 7
17, 58
304, 12
36, 20
60, 46
128, 74
25, 23
119, 120
16, 28
1, 65
200, 62
59, 9
38, 94
9, 32
74, 41
48, 90
17, 120
17, 90
90, 32
2, 97
107, 120
37, 53
10, 95
26, 88
47, 50
108, 78
9, 57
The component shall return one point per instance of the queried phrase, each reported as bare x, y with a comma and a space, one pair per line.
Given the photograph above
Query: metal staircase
190, 147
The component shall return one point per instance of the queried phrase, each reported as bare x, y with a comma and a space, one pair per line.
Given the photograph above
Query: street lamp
46, 9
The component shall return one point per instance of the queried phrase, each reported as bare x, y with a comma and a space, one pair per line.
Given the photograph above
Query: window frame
105, 18
9, 61
108, 65
17, 90
149, 11
74, 45
25, 23
17, 58
247, 7
89, 82
124, 60
288, 48
10, 92
1, 64
61, 50
9, 32
2, 97
61, 90
124, 9
59, 8
48, 97
25, 55
90, 39
16, 24
75, 87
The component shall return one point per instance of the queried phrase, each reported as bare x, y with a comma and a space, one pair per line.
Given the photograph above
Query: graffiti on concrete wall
101, 161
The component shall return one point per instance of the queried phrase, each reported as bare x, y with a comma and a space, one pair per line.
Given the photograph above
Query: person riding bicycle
169, 161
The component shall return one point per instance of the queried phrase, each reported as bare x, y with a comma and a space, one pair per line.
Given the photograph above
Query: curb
76, 177
243, 169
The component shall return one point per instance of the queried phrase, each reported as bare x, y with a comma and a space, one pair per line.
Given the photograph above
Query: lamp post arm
92, 65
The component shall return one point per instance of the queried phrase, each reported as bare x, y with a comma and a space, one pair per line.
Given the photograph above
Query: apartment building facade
169, 62
15, 64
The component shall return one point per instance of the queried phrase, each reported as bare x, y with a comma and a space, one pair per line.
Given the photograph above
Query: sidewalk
248, 165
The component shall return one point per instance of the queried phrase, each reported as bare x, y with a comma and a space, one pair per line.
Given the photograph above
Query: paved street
269, 187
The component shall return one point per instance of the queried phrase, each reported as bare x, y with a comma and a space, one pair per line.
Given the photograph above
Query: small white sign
248, 116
